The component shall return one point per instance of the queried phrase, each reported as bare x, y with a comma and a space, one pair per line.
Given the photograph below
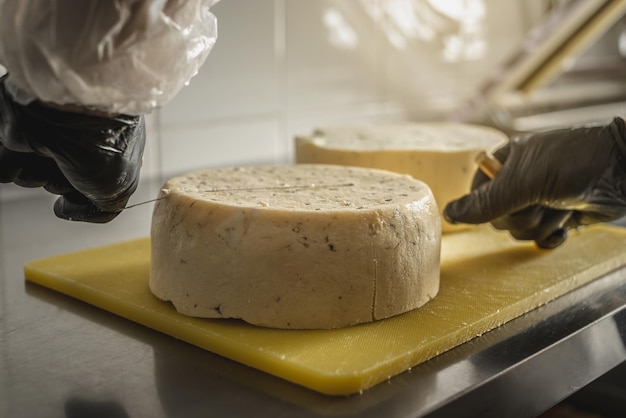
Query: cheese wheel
439, 154
295, 246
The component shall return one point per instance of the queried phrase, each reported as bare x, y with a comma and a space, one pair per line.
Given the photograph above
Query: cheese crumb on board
295, 246
441, 155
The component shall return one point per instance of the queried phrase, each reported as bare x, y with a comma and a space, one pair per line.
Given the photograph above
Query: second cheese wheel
440, 154
295, 246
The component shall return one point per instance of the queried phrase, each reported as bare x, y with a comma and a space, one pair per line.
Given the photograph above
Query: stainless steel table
62, 358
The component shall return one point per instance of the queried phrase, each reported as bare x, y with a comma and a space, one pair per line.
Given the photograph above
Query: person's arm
119, 57
551, 182
81, 74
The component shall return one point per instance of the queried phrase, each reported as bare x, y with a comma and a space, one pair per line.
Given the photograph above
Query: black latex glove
93, 162
551, 182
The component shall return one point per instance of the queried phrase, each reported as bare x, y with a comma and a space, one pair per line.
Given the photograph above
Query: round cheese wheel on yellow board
295, 246
442, 155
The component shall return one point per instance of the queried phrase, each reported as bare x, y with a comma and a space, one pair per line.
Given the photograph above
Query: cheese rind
302, 246
441, 155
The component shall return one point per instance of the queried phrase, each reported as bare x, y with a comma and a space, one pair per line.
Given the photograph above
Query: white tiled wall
284, 67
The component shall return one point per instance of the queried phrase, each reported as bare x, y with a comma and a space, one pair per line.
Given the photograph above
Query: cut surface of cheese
295, 246
439, 154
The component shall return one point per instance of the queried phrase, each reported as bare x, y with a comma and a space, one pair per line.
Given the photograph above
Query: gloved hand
551, 182
93, 162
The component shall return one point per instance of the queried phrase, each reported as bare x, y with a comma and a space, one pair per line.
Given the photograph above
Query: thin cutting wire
249, 189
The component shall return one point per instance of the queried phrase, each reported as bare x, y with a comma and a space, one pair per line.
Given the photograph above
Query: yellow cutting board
487, 279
